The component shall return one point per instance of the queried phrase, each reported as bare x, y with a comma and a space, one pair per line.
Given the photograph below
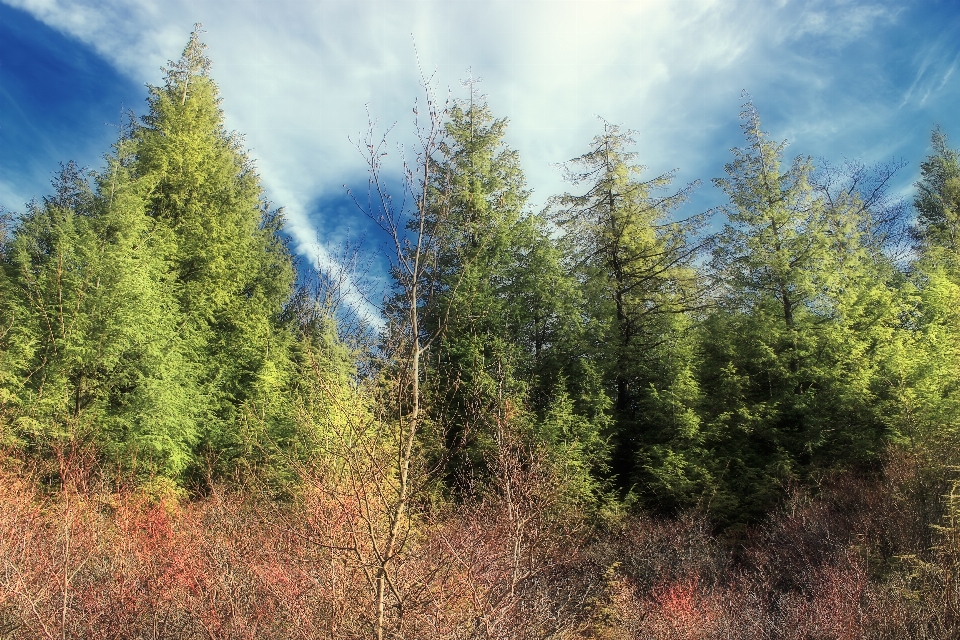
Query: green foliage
674, 464
231, 270
925, 362
575, 446
938, 196
794, 364
634, 263
143, 312
480, 201
96, 354
503, 309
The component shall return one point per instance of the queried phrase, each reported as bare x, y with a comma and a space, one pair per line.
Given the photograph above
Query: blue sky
837, 78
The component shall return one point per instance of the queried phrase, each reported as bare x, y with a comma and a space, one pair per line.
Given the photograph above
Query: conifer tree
937, 202
925, 359
635, 263
232, 272
94, 349
480, 196
144, 313
806, 302
502, 306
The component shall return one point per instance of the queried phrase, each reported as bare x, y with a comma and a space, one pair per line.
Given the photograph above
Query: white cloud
935, 62
842, 21
295, 75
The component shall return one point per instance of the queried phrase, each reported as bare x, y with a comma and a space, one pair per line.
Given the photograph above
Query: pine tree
635, 263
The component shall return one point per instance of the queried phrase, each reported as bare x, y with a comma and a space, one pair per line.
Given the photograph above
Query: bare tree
858, 192
413, 224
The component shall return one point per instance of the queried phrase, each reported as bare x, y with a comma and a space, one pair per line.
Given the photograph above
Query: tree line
150, 313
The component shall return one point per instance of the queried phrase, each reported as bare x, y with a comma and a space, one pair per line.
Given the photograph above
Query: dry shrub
505, 566
851, 561
120, 564
516, 562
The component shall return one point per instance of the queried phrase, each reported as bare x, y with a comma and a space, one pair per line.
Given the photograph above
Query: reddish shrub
87, 563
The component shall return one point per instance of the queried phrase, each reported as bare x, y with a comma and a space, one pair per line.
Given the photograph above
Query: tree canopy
151, 312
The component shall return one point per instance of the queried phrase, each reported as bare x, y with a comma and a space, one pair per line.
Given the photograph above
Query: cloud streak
295, 76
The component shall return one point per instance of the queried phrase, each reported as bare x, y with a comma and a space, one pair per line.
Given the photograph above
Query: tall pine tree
635, 264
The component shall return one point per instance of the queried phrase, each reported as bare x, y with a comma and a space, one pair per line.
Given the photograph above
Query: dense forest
606, 419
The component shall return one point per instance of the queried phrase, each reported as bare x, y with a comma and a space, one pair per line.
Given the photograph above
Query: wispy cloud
295, 76
840, 22
933, 64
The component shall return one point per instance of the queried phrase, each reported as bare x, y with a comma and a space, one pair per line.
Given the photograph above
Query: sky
839, 79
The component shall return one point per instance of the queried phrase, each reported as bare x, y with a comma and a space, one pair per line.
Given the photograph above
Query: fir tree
635, 263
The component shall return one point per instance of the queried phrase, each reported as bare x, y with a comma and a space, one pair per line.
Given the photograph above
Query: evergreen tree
937, 202
480, 198
145, 313
502, 306
806, 301
925, 361
93, 350
635, 264
232, 272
